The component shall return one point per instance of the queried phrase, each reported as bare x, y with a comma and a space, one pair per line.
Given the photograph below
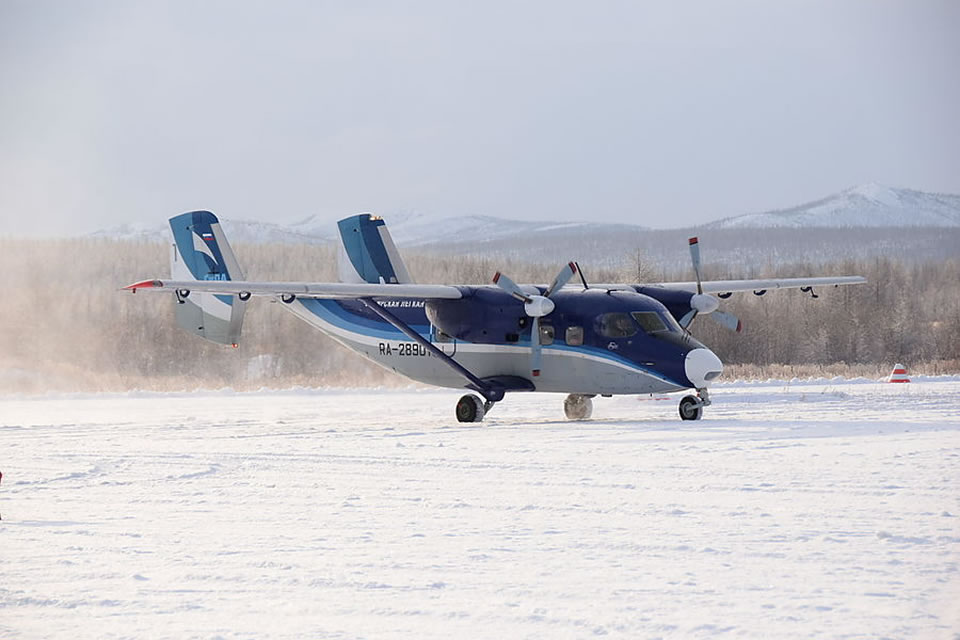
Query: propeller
536, 306
701, 302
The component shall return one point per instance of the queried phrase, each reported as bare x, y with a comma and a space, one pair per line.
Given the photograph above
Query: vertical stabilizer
367, 252
201, 252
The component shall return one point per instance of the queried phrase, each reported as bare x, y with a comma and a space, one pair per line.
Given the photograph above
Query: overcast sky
664, 114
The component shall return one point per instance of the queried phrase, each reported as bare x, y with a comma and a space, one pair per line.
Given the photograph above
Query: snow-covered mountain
408, 229
869, 205
412, 229
238, 231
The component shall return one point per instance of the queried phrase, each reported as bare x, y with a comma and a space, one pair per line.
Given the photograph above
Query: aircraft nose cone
702, 367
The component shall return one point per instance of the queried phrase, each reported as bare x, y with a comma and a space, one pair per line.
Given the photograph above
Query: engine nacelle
486, 315
449, 318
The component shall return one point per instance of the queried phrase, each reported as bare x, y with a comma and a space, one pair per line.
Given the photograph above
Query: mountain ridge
869, 206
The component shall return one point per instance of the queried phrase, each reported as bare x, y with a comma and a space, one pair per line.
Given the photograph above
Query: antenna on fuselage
582, 279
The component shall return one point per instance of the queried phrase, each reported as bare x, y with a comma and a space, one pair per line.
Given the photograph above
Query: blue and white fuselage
491, 337
605, 340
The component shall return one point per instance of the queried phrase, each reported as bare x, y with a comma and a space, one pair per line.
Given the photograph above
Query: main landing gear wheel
578, 407
470, 408
691, 408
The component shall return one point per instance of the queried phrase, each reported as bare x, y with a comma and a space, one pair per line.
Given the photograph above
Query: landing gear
471, 408
578, 407
691, 408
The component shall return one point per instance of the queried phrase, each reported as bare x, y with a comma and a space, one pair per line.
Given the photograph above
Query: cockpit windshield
654, 323
623, 325
649, 321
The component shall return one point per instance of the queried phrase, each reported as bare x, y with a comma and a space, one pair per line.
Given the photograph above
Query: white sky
663, 114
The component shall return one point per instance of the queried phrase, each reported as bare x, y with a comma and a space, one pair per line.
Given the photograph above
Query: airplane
584, 340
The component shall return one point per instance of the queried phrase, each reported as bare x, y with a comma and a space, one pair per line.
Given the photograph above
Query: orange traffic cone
899, 374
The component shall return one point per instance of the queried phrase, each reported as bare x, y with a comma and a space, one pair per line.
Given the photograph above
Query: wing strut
491, 392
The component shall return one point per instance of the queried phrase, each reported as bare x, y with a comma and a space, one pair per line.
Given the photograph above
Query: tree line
66, 325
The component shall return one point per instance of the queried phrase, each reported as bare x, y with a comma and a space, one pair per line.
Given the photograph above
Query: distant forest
66, 325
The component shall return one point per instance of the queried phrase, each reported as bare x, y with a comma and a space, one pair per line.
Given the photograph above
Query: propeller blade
688, 318
510, 287
562, 278
728, 320
695, 257
535, 349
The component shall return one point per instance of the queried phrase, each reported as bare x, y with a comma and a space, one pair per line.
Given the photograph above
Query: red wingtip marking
573, 267
496, 277
693, 241
145, 284
536, 372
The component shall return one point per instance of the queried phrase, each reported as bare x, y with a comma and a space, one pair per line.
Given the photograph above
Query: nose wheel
691, 408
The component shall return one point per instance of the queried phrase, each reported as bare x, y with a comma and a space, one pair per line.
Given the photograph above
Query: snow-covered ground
792, 510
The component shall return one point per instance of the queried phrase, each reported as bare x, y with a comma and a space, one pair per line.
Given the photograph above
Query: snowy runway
805, 510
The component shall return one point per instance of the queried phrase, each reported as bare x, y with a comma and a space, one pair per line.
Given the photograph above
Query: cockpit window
615, 325
650, 321
672, 323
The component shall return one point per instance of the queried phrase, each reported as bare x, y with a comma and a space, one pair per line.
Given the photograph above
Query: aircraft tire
578, 407
691, 408
470, 408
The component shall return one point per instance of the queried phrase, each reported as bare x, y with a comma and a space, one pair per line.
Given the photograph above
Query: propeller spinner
704, 303
536, 306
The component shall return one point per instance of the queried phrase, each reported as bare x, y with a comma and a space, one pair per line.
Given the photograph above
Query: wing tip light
144, 284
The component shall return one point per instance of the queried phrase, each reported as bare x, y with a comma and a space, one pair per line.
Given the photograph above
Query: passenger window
574, 336
616, 325
650, 321
546, 334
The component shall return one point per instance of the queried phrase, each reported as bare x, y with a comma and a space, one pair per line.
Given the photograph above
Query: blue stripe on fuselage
353, 316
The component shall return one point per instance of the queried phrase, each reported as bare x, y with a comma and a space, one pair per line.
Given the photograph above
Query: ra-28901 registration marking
403, 349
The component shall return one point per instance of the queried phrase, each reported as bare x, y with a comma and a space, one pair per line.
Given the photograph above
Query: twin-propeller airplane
601, 339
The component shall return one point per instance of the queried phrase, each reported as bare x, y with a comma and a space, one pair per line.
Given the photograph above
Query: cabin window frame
547, 333
573, 336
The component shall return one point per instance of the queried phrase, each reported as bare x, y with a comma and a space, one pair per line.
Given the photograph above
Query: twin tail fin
201, 252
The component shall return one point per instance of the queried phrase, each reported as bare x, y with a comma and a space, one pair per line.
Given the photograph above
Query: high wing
674, 294
729, 286
337, 290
